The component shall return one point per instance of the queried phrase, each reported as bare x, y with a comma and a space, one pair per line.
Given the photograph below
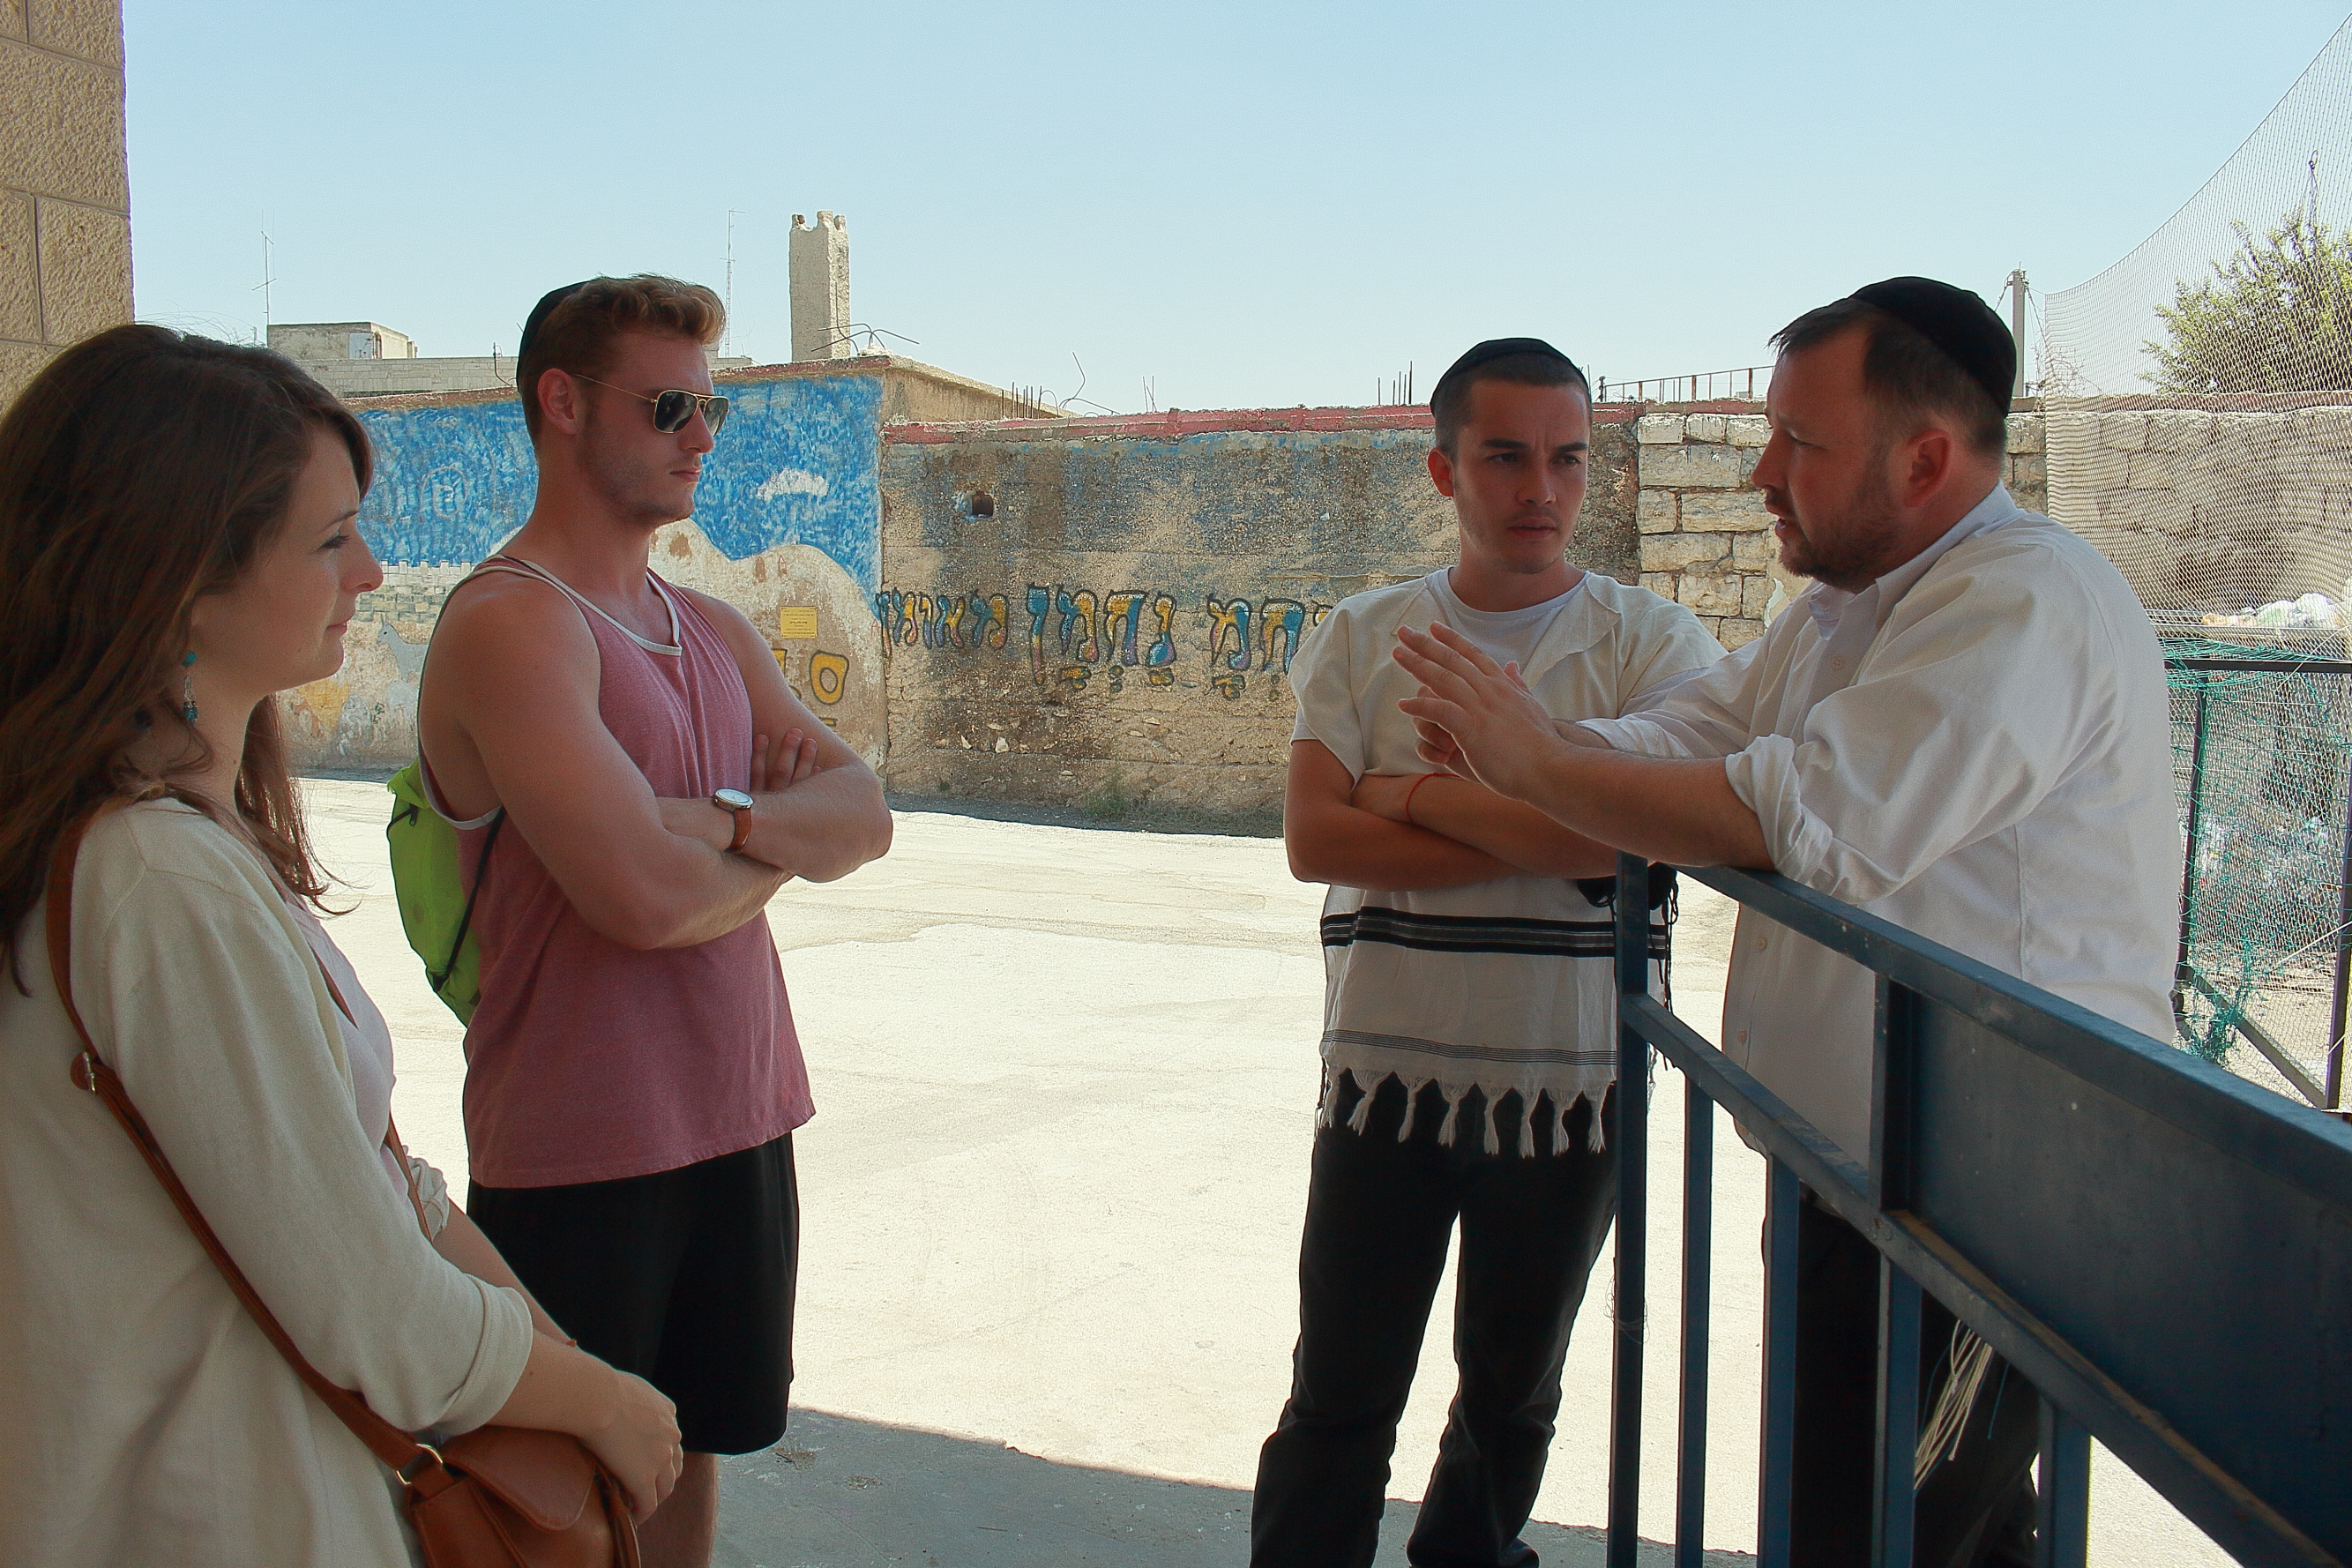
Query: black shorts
684, 1278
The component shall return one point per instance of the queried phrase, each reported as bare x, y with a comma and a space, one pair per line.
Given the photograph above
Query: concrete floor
1065, 1080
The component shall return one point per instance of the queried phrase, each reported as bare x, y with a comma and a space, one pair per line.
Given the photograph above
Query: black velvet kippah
539, 313
1957, 322
1495, 349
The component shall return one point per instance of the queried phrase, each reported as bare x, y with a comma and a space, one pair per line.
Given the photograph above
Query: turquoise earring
188, 689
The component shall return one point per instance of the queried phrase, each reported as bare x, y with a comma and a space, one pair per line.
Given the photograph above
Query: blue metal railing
2164, 1250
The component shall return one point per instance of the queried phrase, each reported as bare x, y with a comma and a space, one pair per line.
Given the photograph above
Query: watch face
733, 799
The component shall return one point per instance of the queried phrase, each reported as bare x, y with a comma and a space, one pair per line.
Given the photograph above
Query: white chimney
820, 276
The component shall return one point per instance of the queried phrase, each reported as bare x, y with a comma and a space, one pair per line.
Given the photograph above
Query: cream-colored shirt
148, 1420
1977, 747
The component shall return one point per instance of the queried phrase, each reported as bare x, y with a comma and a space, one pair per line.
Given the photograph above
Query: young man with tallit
1470, 1013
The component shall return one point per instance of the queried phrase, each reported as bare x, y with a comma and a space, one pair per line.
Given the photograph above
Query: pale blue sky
1252, 205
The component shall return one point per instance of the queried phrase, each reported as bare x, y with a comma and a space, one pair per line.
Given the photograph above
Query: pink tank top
587, 1060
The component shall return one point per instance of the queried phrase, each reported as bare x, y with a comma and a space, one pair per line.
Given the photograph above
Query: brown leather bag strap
384, 1440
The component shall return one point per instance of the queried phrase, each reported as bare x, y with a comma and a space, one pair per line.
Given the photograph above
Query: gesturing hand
1472, 715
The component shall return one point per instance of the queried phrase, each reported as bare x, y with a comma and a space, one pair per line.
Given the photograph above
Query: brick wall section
1706, 538
65, 184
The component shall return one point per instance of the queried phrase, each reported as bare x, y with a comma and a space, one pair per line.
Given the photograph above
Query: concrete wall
329, 342
2210, 510
1105, 611
65, 181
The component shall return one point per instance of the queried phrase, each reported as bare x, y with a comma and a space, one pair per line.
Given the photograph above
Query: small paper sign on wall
796, 622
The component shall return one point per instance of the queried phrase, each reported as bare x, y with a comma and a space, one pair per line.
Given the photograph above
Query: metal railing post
1782, 1196
2062, 1506
1894, 1107
2184, 983
1631, 1135
1892, 1492
1698, 1264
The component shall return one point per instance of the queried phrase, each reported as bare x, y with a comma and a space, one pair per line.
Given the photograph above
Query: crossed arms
1404, 833
1473, 717
508, 715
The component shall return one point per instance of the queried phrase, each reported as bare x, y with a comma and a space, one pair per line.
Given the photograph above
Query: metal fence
2164, 1250
1746, 384
2260, 751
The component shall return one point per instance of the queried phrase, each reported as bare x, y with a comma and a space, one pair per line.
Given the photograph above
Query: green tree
2276, 317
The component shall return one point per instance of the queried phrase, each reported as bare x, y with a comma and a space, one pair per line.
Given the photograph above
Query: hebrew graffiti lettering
1074, 629
1077, 629
1229, 620
1041, 602
1280, 620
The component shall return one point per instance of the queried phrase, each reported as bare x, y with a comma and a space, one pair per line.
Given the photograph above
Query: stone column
65, 184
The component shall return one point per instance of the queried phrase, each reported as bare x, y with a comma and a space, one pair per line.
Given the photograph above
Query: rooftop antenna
266, 279
728, 347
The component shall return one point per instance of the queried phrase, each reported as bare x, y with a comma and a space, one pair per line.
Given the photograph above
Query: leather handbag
497, 1496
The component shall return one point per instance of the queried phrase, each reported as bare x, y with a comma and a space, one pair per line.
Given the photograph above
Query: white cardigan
148, 1419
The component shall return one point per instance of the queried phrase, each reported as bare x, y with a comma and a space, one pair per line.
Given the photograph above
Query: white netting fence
2199, 392
2198, 408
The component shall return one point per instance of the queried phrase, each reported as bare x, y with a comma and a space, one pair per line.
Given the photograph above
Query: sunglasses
672, 409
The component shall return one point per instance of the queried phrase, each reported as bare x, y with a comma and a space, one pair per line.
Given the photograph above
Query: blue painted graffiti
796, 464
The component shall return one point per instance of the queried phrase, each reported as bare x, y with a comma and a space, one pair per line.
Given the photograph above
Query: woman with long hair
177, 545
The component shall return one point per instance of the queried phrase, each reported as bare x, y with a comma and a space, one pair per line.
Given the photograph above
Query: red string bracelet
1414, 791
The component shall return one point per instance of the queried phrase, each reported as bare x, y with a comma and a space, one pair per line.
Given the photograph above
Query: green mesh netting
2258, 763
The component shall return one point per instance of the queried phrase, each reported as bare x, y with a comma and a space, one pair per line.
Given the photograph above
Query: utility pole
728, 346
2017, 327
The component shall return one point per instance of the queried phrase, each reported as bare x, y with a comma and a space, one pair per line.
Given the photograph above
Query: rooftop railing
2162, 1248
1747, 384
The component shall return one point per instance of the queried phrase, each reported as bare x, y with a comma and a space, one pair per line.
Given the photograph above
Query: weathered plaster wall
1104, 611
65, 180
1706, 540
787, 529
2210, 509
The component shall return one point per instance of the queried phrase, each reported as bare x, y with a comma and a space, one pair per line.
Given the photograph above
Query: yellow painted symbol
828, 674
796, 623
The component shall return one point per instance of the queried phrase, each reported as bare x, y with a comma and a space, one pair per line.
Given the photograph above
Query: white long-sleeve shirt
149, 1420
1978, 748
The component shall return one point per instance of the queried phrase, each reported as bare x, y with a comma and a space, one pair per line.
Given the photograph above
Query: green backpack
436, 908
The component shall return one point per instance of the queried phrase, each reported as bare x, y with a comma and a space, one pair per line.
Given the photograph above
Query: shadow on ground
842, 1493
1105, 809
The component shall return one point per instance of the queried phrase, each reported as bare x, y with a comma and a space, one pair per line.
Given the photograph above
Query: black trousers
1380, 1215
1975, 1509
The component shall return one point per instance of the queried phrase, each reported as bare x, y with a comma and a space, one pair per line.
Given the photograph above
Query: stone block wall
2210, 510
1706, 538
65, 181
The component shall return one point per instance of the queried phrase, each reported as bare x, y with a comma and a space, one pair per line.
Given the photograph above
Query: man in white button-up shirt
1962, 726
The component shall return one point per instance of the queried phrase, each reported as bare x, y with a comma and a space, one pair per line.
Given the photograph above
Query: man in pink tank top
632, 1079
